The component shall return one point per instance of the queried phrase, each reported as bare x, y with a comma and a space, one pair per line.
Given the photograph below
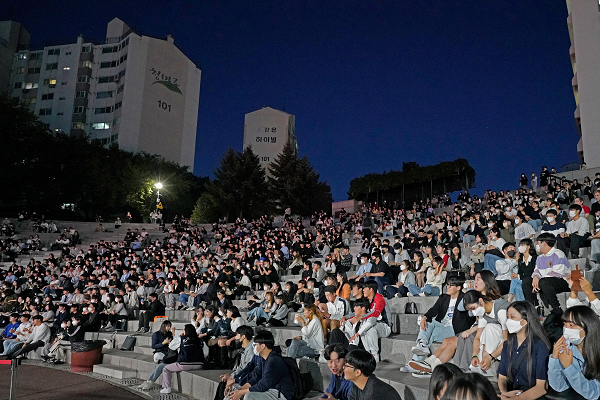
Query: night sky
372, 83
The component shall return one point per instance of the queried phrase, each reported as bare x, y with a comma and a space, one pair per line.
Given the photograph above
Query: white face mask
256, 352
572, 336
513, 326
220, 313
63, 325
490, 225
550, 219
74, 323
397, 251
522, 249
537, 248
517, 220
402, 267
478, 312
572, 214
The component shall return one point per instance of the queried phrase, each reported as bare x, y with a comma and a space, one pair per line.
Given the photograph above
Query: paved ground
35, 383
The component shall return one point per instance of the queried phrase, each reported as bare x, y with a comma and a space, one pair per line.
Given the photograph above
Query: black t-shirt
382, 266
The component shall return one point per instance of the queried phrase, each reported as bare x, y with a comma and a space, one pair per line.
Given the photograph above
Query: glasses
348, 366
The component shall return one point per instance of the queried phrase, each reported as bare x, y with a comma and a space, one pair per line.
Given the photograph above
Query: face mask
256, 352
478, 312
397, 251
490, 225
511, 253
220, 313
37, 300
550, 219
513, 326
572, 214
517, 220
522, 249
537, 248
402, 267
63, 325
572, 336
266, 288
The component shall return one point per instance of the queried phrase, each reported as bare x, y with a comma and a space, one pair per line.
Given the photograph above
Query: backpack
303, 382
410, 308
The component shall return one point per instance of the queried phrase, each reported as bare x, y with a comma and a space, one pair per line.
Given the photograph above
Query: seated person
380, 272
271, 378
21, 334
554, 225
149, 310
190, 357
40, 336
405, 277
278, 315
302, 297
243, 335
550, 274
334, 309
578, 231
160, 341
359, 369
364, 267
312, 340
586, 287
339, 388
351, 334
10, 330
436, 275
70, 332
443, 320
524, 364
573, 363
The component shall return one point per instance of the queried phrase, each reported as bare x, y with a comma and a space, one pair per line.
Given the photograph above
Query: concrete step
115, 371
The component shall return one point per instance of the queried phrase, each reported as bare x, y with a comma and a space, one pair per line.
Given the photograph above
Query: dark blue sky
372, 83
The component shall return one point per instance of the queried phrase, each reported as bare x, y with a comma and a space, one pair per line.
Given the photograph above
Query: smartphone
576, 278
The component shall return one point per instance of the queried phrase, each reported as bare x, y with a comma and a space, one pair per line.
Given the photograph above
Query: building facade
137, 91
584, 30
267, 130
13, 38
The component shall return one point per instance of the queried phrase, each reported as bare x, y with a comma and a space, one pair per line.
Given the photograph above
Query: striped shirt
552, 264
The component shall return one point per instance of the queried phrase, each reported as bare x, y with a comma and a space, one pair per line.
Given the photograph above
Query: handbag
129, 343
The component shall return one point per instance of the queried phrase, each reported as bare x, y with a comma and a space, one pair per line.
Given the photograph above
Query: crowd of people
495, 265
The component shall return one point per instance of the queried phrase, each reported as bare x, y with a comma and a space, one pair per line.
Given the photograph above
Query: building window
104, 95
83, 79
50, 82
103, 110
31, 85
59, 113
79, 110
78, 125
51, 66
86, 49
118, 105
21, 70
66, 68
36, 56
46, 126
18, 85
82, 94
87, 64
45, 111
112, 49
48, 96
61, 98
22, 56
32, 71
67, 53
109, 64
101, 125
53, 52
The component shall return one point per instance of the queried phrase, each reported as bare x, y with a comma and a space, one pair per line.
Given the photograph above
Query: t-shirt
447, 320
539, 365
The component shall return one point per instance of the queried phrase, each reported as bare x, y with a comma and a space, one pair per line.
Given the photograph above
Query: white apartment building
267, 130
137, 91
584, 30
13, 37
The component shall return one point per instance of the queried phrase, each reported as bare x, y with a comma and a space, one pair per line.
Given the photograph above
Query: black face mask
512, 253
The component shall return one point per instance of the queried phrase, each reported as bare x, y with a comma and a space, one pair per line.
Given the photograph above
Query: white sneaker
423, 294
399, 295
409, 294
419, 374
165, 390
191, 309
407, 368
421, 349
147, 385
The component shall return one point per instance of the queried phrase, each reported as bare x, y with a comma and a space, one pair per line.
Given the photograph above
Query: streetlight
158, 186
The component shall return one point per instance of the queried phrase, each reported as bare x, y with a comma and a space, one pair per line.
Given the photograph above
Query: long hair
316, 313
190, 332
164, 325
588, 320
471, 386
492, 291
533, 331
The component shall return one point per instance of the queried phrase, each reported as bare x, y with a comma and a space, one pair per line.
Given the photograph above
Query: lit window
50, 82
31, 85
21, 70
78, 125
101, 125
22, 56
66, 68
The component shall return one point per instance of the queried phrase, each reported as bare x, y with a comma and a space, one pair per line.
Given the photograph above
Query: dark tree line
44, 171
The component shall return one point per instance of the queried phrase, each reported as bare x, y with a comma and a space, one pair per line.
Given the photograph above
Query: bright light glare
158, 185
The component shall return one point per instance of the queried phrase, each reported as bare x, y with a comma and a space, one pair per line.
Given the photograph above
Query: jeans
11, 345
468, 239
157, 372
435, 332
427, 289
382, 282
391, 291
535, 223
516, 288
299, 348
271, 394
258, 312
183, 298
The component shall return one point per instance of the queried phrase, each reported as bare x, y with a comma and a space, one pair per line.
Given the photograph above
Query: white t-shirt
498, 243
447, 320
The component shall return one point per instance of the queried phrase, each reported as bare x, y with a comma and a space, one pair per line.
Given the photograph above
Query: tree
294, 183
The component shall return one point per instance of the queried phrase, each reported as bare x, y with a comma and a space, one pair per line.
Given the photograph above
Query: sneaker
165, 391
421, 349
420, 374
398, 295
423, 294
57, 362
407, 368
409, 294
191, 309
420, 366
147, 385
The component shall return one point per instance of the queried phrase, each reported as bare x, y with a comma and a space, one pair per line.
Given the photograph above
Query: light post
158, 186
